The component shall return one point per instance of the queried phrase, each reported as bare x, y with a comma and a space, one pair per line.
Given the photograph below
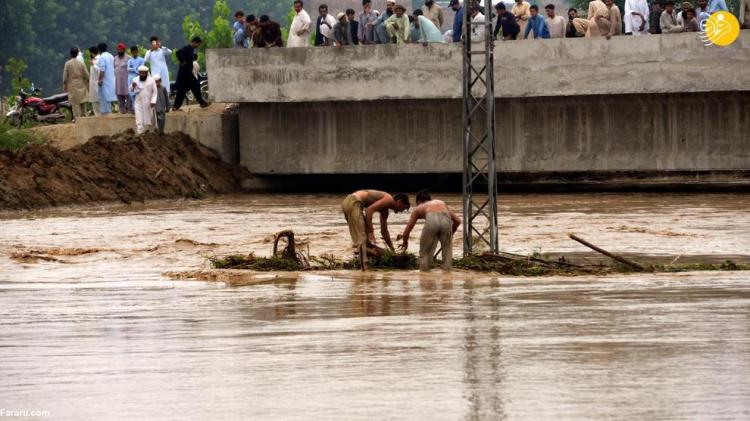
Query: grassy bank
15, 139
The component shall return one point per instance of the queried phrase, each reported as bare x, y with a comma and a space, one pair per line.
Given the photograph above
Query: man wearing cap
121, 80
162, 103
145, 92
397, 26
342, 33
381, 35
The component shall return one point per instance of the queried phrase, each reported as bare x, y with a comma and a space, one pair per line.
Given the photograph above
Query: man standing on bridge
359, 208
439, 226
186, 80
299, 31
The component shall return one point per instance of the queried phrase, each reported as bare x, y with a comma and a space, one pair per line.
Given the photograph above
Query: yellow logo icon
721, 29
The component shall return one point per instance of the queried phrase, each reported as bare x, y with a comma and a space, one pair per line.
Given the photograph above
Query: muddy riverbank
123, 168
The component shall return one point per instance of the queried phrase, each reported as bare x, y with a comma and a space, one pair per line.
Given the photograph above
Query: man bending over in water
439, 226
358, 209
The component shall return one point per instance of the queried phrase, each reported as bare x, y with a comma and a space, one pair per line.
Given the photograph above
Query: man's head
196, 42
686, 6
157, 79
572, 13
297, 6
389, 5
155, 42
690, 14
134, 51
455, 4
429, 3
350, 14
143, 72
519, 2
608, 2
656, 6
239, 16
264, 18
669, 6
703, 4
534, 10
341, 17
400, 10
474, 10
323, 10
500, 8
250, 19
367, 5
121, 49
550, 9
74, 52
423, 196
401, 202
93, 52
102, 47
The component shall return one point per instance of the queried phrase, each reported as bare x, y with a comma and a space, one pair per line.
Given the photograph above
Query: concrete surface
604, 133
555, 67
213, 128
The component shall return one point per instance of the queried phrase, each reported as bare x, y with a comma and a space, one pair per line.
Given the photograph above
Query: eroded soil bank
124, 167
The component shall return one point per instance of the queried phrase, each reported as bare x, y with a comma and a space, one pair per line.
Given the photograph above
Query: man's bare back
368, 197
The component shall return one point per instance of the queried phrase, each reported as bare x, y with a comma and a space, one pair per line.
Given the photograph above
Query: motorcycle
46, 110
189, 98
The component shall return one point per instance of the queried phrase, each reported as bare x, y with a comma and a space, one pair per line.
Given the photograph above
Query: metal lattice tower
480, 175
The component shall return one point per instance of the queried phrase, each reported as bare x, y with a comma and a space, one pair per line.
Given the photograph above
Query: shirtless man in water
439, 226
358, 209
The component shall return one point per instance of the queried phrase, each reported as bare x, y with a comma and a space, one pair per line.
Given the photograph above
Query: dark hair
74, 52
534, 7
418, 12
102, 47
364, 2
500, 5
134, 48
264, 18
239, 14
350, 11
550, 6
572, 9
423, 196
668, 3
197, 39
475, 8
93, 51
250, 18
298, 1
154, 38
411, 18
323, 6
403, 198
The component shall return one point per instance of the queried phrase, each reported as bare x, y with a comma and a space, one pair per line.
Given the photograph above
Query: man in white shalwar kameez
299, 31
158, 56
144, 89
636, 17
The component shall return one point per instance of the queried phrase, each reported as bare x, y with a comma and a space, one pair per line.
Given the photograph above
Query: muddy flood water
91, 329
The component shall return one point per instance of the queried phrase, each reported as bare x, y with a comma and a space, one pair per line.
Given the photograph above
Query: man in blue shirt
458, 21
536, 24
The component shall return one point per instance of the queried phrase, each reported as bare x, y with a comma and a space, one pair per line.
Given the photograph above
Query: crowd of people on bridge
521, 20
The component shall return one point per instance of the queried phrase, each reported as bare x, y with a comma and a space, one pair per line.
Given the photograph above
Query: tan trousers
353, 210
79, 110
438, 227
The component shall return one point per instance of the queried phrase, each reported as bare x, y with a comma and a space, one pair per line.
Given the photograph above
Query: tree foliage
41, 32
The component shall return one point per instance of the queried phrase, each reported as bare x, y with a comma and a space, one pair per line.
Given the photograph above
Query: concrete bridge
658, 107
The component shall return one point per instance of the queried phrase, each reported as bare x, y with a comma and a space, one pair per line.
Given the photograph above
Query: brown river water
91, 329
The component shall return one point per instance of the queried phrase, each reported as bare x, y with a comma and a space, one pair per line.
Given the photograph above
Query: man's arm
379, 205
384, 228
456, 221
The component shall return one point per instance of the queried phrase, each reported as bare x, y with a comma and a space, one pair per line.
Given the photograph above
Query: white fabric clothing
477, 32
301, 22
158, 61
632, 22
556, 26
94, 84
145, 95
448, 36
327, 30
